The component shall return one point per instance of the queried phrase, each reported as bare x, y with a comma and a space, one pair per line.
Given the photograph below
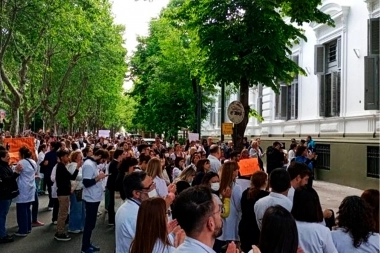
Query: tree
165, 71
247, 42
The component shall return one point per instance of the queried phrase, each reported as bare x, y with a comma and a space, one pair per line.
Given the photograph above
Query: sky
135, 15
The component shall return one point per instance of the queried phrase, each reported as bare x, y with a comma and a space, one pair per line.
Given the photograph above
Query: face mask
215, 186
153, 193
166, 154
81, 139
190, 182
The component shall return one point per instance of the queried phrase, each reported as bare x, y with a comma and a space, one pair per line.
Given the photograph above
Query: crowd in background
193, 195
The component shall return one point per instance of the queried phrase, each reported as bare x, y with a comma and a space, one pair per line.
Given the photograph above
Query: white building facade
338, 101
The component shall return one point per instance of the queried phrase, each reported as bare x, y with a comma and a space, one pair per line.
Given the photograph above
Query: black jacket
275, 159
113, 174
8, 184
63, 178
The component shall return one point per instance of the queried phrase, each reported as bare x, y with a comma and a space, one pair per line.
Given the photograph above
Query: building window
372, 66
373, 160
212, 115
287, 100
327, 66
323, 160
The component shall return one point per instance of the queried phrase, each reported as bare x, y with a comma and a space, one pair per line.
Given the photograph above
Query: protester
63, 178
27, 189
138, 186
249, 231
8, 191
372, 196
313, 235
164, 237
279, 232
198, 214
77, 212
279, 181
92, 195
355, 231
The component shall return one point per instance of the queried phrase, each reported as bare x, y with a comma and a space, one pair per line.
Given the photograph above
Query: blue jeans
24, 217
77, 214
91, 216
35, 205
4, 209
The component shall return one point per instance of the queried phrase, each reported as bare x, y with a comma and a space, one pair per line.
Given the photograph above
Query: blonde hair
74, 155
189, 171
154, 168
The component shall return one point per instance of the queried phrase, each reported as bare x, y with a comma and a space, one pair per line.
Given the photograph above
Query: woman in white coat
27, 189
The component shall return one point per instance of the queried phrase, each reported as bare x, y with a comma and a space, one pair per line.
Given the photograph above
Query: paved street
41, 239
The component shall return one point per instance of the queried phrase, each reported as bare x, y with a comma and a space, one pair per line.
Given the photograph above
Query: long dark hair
25, 152
372, 196
152, 214
279, 231
355, 217
258, 180
306, 205
201, 163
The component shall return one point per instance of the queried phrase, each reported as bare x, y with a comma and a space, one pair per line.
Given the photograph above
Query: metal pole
222, 110
199, 112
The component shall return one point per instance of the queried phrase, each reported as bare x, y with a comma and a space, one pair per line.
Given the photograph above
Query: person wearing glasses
199, 215
138, 186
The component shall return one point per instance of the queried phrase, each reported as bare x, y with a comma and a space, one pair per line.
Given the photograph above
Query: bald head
215, 150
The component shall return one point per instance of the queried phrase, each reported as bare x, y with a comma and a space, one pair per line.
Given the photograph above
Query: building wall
355, 128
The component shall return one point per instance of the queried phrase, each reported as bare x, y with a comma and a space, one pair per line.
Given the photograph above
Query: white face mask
153, 193
166, 154
215, 186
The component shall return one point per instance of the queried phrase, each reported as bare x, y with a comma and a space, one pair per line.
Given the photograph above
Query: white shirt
176, 173
214, 163
26, 181
162, 189
125, 225
344, 243
160, 248
77, 183
291, 193
315, 238
191, 245
94, 193
271, 200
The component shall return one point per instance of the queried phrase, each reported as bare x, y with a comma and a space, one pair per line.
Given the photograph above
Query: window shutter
374, 36
284, 102
335, 94
277, 109
294, 100
371, 83
338, 51
319, 59
322, 97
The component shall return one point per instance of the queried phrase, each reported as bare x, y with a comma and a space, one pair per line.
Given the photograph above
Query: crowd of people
183, 198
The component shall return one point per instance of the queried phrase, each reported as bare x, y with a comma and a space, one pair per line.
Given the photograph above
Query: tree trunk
15, 122
71, 122
240, 128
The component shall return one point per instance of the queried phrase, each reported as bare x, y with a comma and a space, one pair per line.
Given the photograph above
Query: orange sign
248, 166
15, 144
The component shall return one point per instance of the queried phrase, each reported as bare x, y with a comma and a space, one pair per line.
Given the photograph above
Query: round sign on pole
235, 112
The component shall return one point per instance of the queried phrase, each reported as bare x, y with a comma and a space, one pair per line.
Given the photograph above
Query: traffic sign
227, 128
235, 112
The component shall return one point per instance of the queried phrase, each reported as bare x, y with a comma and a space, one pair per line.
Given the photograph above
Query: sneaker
37, 224
6, 239
111, 224
75, 231
50, 208
20, 235
94, 248
89, 250
62, 237
54, 222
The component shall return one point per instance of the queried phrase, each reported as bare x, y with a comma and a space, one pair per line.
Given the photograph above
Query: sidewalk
331, 195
